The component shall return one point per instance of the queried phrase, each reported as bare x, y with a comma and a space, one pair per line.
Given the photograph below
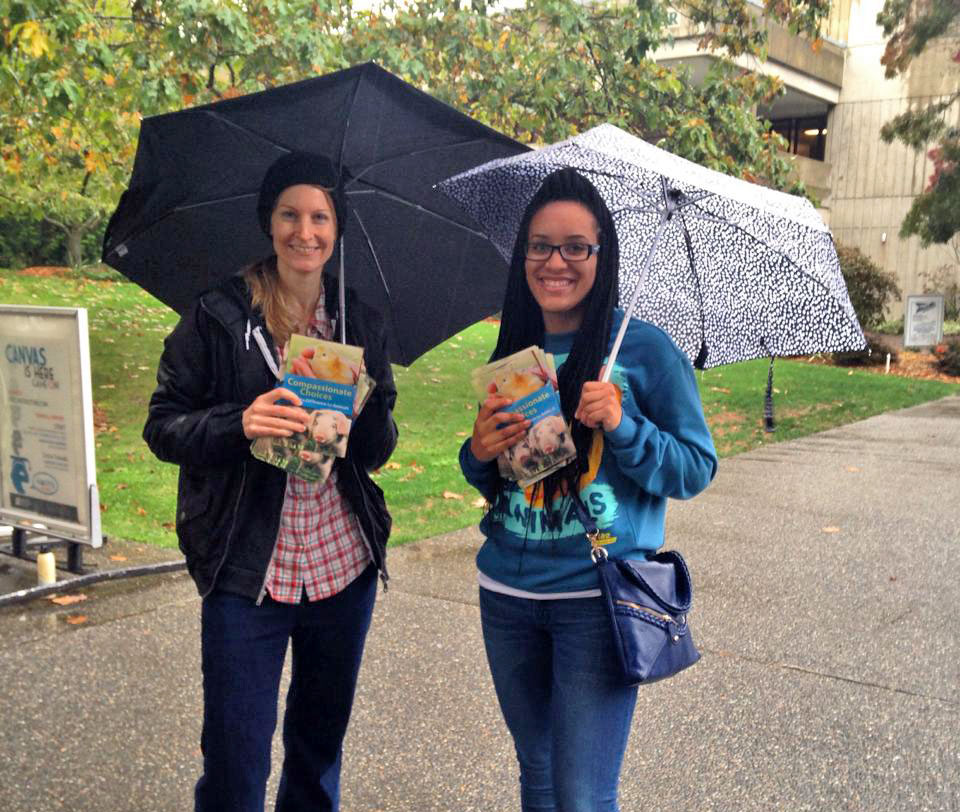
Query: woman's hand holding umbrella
265, 417
495, 431
599, 405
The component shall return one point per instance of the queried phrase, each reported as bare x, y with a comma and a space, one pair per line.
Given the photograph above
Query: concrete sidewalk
827, 608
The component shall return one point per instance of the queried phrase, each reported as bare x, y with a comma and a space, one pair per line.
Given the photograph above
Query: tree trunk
75, 236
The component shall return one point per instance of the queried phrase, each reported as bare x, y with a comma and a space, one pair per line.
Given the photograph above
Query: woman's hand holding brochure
330, 383
530, 450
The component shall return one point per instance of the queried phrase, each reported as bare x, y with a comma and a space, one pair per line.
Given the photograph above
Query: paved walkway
827, 607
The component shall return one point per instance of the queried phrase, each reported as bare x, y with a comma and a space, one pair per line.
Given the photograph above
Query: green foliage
910, 26
935, 214
870, 287
948, 359
77, 76
552, 68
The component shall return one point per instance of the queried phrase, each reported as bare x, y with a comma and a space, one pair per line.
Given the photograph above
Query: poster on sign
47, 465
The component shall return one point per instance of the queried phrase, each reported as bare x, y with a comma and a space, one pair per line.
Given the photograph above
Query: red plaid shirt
319, 546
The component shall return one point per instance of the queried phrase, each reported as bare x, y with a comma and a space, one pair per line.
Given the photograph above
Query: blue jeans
555, 674
243, 647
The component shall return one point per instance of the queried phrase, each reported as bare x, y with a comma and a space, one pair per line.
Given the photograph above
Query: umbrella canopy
189, 216
729, 269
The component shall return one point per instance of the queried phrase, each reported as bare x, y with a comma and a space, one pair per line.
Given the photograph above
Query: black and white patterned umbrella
731, 270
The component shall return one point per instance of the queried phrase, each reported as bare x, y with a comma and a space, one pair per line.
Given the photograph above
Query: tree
66, 141
911, 26
555, 67
78, 75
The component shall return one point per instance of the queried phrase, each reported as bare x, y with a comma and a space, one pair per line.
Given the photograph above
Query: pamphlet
529, 377
332, 384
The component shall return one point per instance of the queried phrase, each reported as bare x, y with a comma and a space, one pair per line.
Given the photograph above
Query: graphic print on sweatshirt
523, 516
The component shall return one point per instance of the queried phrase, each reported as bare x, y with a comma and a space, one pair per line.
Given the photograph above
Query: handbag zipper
648, 610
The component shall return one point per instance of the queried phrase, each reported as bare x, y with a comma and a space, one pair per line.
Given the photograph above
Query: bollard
46, 568
887, 370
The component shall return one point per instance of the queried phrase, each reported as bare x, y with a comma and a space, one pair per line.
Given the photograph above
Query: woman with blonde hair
276, 558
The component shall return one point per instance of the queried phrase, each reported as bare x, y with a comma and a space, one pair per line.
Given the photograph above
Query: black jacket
228, 502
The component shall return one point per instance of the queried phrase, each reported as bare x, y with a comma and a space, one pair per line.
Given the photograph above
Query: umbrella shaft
651, 252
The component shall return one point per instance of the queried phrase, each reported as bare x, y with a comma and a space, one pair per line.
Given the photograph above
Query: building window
806, 136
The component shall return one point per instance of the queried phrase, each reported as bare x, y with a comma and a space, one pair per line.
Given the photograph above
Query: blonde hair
267, 293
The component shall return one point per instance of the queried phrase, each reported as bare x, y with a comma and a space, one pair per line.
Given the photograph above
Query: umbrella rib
346, 124
413, 154
373, 190
783, 256
373, 253
212, 202
696, 278
383, 279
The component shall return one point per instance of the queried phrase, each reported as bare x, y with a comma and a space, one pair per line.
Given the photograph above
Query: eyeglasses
570, 251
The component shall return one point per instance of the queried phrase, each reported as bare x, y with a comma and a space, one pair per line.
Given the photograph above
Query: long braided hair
522, 324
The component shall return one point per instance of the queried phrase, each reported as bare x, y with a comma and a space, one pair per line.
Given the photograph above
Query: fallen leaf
392, 466
168, 525
122, 486
141, 511
893, 577
830, 529
720, 389
417, 469
66, 600
452, 495
118, 558
853, 469
479, 502
436, 380
463, 434
76, 620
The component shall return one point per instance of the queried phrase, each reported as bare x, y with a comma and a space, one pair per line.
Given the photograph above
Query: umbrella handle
665, 215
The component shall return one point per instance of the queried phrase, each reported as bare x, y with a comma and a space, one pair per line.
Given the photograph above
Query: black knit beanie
295, 168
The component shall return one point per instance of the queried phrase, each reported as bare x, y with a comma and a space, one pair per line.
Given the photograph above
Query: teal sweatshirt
662, 448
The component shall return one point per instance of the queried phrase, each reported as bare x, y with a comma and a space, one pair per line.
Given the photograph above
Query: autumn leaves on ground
435, 410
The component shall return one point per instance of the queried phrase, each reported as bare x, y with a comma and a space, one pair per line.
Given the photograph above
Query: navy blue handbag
647, 601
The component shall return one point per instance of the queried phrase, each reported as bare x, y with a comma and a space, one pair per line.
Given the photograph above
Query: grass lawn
435, 409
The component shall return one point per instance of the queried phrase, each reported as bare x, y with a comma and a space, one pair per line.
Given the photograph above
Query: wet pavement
827, 604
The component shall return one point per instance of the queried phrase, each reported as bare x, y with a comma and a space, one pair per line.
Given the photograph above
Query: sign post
47, 466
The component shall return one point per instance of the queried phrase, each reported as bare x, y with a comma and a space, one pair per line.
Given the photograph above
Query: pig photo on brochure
529, 378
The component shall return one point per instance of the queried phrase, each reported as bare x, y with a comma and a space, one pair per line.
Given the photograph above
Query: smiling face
303, 227
559, 285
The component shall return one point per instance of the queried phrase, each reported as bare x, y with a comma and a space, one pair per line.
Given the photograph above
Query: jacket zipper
233, 527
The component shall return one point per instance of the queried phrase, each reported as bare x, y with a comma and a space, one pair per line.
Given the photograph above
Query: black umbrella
189, 218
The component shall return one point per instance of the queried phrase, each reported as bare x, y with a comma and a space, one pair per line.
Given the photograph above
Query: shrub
870, 287
874, 354
945, 280
948, 357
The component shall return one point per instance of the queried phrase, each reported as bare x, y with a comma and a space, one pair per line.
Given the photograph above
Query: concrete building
836, 101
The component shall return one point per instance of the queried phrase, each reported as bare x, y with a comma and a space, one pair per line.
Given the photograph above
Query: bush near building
871, 288
948, 356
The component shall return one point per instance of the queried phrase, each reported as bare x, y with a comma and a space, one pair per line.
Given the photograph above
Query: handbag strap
592, 532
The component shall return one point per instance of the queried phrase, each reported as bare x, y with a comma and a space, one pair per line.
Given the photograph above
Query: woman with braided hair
640, 438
